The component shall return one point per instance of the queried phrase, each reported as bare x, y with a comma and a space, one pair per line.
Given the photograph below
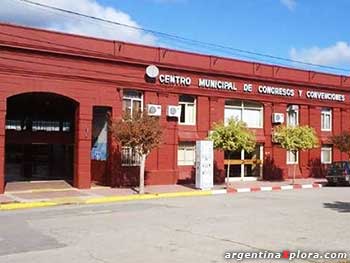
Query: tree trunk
228, 171
142, 174
294, 170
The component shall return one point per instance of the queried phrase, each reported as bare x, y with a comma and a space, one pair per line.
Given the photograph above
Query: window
132, 102
293, 115
292, 157
130, 157
186, 153
249, 112
326, 154
188, 110
326, 120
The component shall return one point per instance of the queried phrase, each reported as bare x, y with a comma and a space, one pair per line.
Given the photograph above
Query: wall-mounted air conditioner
173, 111
154, 110
277, 118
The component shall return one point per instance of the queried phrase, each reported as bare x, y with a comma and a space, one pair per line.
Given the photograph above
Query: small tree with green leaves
141, 133
294, 139
342, 142
235, 136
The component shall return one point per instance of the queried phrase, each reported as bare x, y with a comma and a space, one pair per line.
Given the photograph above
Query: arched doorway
39, 138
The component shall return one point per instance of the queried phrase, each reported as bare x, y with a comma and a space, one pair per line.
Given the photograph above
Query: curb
266, 188
99, 200
112, 199
16, 206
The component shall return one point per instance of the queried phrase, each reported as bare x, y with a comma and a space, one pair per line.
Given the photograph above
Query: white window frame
288, 155
327, 148
244, 108
326, 112
186, 147
132, 99
187, 104
290, 111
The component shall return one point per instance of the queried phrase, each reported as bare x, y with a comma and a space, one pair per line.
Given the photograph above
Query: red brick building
57, 89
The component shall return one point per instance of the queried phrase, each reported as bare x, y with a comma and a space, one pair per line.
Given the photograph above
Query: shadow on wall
219, 174
341, 207
99, 172
316, 169
114, 161
189, 180
121, 176
271, 171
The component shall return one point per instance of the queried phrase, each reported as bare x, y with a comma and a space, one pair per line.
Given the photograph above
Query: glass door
245, 166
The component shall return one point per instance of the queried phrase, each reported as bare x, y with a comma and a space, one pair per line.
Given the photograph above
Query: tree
141, 133
294, 139
235, 136
342, 142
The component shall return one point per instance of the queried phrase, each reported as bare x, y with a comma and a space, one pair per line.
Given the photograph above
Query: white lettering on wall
216, 84
248, 87
276, 91
324, 96
175, 80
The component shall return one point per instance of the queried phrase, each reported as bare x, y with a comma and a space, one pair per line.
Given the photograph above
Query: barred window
130, 157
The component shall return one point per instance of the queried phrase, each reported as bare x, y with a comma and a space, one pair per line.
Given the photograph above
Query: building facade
59, 90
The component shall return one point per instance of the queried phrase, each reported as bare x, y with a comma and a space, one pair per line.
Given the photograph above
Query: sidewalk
39, 194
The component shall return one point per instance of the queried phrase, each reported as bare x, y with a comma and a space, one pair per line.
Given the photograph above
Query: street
190, 229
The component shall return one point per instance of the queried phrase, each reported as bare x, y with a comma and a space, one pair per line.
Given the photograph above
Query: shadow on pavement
342, 207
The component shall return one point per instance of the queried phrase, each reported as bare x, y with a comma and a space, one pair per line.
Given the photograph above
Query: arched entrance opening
39, 137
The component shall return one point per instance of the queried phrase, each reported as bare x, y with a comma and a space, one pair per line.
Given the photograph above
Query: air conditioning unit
173, 111
154, 110
277, 118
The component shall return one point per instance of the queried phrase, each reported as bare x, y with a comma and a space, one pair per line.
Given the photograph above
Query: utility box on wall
204, 165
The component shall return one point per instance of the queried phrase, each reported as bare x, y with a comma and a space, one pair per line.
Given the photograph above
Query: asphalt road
198, 229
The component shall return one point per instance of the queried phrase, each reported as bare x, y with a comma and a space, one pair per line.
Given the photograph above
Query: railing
46, 126
15, 125
248, 161
130, 157
38, 125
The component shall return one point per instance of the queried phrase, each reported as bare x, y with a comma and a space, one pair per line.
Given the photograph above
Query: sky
304, 30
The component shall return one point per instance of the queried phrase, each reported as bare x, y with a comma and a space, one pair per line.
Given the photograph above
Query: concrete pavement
192, 229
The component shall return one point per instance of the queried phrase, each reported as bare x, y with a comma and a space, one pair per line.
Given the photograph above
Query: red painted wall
94, 72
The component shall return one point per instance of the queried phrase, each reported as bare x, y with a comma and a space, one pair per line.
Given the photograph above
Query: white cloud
17, 12
290, 4
337, 54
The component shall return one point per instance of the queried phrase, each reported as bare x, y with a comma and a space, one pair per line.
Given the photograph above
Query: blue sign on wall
99, 148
